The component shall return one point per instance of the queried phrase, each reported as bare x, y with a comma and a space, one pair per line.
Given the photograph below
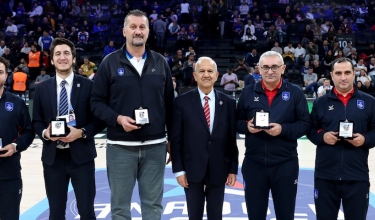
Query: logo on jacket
256, 99
286, 96
120, 71
9, 106
153, 70
360, 104
330, 108
315, 193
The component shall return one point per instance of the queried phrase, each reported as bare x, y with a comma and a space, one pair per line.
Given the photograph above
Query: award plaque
59, 128
262, 120
1, 146
141, 116
346, 129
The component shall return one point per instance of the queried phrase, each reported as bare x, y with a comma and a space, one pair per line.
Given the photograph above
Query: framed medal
59, 128
262, 120
346, 129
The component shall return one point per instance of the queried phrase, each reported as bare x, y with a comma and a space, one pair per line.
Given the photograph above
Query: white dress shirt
211, 104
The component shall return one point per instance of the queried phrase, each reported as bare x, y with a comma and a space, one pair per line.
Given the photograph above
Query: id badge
70, 118
141, 116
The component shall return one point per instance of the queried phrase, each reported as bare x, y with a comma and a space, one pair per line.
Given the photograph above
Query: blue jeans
128, 164
298, 60
312, 87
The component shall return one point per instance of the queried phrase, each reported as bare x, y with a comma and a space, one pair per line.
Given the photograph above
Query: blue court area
175, 206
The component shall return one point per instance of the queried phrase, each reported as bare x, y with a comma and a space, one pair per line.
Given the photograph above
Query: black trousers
281, 179
196, 195
57, 178
328, 195
10, 199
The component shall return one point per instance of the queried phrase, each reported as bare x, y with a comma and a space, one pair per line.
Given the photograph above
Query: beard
138, 44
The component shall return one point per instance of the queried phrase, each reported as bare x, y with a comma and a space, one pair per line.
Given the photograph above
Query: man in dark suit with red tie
203, 143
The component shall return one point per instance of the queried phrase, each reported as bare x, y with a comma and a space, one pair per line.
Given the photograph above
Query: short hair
5, 62
136, 13
272, 54
310, 67
205, 58
230, 68
342, 60
43, 69
62, 41
251, 69
326, 79
19, 69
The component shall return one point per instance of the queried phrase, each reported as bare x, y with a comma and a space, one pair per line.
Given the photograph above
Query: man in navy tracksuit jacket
271, 161
16, 135
341, 170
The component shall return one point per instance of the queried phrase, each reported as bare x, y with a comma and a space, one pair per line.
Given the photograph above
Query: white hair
271, 54
205, 58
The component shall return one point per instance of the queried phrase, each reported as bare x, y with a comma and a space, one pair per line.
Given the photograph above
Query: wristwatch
84, 135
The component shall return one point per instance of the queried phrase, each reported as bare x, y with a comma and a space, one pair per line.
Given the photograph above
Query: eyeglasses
273, 68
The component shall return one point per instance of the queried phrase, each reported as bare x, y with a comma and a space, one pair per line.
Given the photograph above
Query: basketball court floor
34, 205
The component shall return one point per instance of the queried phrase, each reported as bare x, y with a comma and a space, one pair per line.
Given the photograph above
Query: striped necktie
207, 110
63, 106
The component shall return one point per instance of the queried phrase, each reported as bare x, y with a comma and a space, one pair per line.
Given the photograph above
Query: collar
129, 56
68, 79
276, 88
210, 95
340, 95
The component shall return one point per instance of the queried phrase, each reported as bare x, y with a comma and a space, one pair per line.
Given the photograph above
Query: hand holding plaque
141, 116
59, 128
346, 129
262, 120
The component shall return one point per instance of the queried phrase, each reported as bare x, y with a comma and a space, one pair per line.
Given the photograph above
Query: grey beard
138, 44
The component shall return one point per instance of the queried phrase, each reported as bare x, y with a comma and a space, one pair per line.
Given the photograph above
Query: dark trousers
281, 179
57, 178
328, 195
10, 199
196, 195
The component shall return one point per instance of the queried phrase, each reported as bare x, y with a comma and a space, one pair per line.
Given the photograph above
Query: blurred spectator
288, 16
35, 62
25, 50
251, 26
305, 68
109, 48
359, 66
258, 23
229, 80
36, 11
248, 36
255, 10
277, 49
197, 26
156, 7
361, 87
23, 66
257, 76
46, 59
318, 15
46, 25
252, 58
311, 80
249, 79
303, 7
98, 29
340, 54
244, 9
299, 54
336, 18
99, 11
327, 13
241, 69
331, 35
309, 15
307, 35
146, 8
84, 13
185, 12
322, 90
19, 81
324, 48
182, 38
75, 11
88, 67
59, 21
8, 56
292, 29
267, 21
115, 11
154, 15
174, 28
48, 8
348, 49
345, 27
328, 59
335, 49
353, 25
42, 77
364, 78
312, 51
272, 36
51, 21
237, 28
168, 58
363, 11
73, 35
222, 13
354, 11
86, 26
370, 51
188, 69
317, 35
299, 15
64, 6
80, 72
371, 67
126, 8
20, 10
159, 29
45, 41
83, 38
280, 26
289, 51
195, 15
192, 35
319, 70
11, 29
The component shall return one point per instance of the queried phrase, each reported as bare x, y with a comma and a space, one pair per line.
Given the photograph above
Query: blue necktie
63, 106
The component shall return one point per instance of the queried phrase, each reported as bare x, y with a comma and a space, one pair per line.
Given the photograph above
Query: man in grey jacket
159, 29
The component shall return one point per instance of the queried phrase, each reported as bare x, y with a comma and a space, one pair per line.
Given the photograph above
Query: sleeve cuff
179, 173
15, 147
43, 135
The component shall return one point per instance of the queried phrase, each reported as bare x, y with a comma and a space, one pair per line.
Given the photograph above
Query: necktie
207, 110
63, 106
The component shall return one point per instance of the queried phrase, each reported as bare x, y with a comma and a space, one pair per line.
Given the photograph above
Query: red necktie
207, 110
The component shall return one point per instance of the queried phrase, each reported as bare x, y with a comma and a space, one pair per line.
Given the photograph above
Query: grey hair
271, 54
205, 58
136, 13
354, 49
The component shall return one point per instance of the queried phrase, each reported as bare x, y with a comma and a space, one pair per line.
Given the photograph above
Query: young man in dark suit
71, 157
203, 143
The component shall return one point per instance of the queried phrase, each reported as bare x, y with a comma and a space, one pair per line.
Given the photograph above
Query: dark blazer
45, 109
192, 145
